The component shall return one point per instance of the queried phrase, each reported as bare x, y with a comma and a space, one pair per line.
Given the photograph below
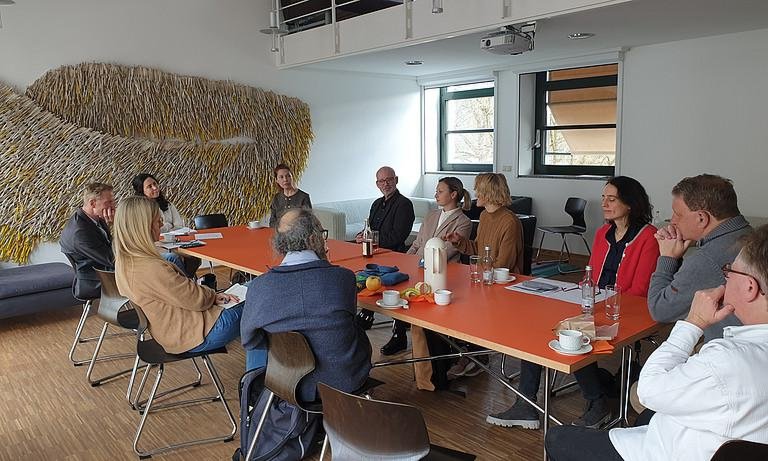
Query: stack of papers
209, 236
555, 289
236, 290
181, 231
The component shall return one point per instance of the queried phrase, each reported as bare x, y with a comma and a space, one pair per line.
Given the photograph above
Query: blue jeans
176, 260
226, 329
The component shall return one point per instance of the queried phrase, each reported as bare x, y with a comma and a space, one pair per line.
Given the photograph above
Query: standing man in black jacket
87, 241
392, 215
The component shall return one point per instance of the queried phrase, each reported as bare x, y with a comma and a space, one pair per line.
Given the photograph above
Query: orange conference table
514, 323
250, 250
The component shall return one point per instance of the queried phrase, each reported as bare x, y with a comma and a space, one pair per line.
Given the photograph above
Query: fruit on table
373, 283
423, 288
409, 293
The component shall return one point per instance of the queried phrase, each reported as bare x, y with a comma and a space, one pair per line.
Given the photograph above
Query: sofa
344, 219
35, 288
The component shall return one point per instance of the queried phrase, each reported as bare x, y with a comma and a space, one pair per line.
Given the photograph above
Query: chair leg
96, 358
263, 417
503, 372
132, 379
78, 333
153, 395
586, 245
140, 405
325, 447
538, 252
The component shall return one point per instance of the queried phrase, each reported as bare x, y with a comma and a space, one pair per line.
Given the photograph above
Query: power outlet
506, 168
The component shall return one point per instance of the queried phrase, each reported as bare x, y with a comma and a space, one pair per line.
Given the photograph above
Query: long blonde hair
132, 229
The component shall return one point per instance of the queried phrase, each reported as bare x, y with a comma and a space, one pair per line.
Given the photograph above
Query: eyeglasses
727, 269
389, 180
325, 234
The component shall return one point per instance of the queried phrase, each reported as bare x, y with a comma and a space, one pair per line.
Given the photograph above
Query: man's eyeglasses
727, 269
389, 180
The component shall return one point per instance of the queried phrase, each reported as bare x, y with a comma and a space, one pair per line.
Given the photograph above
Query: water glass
375, 240
612, 301
475, 274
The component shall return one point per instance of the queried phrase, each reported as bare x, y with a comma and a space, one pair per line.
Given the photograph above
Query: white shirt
299, 257
445, 215
703, 400
171, 219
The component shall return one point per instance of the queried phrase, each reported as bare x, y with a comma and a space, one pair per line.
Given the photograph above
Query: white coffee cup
390, 297
443, 297
501, 274
253, 224
168, 237
572, 340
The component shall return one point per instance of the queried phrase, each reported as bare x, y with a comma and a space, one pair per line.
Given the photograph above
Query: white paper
210, 236
181, 231
236, 290
565, 291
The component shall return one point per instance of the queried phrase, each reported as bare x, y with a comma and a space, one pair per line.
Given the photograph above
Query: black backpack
289, 433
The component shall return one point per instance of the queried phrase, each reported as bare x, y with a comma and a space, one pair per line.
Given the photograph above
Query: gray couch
344, 219
35, 288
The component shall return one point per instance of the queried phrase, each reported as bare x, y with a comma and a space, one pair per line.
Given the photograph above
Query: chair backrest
575, 207
208, 221
111, 302
529, 230
289, 360
398, 431
143, 321
741, 450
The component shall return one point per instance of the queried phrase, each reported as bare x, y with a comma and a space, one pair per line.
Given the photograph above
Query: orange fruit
373, 283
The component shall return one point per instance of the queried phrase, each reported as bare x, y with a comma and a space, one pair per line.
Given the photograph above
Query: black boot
399, 340
364, 319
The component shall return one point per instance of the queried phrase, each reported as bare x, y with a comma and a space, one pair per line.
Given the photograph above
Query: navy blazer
88, 245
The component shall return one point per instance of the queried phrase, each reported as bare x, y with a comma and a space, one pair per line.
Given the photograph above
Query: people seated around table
624, 253
392, 216
501, 230
183, 316
307, 294
146, 185
449, 218
87, 240
289, 195
702, 399
705, 213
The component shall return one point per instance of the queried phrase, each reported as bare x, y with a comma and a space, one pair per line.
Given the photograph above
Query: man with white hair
701, 400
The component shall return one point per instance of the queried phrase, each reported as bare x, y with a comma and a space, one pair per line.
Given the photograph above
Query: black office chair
399, 432
575, 207
153, 354
209, 221
741, 450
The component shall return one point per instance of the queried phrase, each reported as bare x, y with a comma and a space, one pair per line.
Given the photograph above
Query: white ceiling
635, 23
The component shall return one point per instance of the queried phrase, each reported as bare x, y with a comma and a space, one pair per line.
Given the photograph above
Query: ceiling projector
509, 40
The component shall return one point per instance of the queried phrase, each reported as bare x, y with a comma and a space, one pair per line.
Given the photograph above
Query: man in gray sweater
705, 212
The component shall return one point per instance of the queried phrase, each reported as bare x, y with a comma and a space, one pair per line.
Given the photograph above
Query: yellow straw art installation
211, 144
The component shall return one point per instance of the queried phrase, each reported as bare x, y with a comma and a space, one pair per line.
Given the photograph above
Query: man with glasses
705, 212
701, 400
392, 215
306, 293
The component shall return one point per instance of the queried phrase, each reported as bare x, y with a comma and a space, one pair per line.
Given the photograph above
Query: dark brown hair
755, 254
455, 185
281, 166
711, 193
632, 194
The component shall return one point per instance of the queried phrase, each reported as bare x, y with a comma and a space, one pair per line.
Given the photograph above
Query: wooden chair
575, 208
360, 428
741, 450
152, 353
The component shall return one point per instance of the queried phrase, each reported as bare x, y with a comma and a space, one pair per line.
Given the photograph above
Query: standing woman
624, 253
183, 316
146, 185
289, 196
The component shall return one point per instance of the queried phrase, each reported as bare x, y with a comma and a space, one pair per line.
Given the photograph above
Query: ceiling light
437, 6
274, 26
580, 35
414, 62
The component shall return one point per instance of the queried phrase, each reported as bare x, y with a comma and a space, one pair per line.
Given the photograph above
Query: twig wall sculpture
212, 144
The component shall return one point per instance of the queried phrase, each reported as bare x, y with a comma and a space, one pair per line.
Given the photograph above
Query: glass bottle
486, 262
367, 240
587, 292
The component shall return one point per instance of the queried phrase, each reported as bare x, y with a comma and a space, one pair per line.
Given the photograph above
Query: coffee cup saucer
555, 346
400, 303
503, 282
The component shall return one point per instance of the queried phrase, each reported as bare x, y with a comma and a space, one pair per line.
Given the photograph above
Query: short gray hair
297, 230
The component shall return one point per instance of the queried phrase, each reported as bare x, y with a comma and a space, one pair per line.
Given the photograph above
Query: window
575, 121
460, 118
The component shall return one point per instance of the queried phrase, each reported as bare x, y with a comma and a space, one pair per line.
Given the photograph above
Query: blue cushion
37, 278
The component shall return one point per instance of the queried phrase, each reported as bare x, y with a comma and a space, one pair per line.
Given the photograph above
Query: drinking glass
375, 240
612, 301
475, 274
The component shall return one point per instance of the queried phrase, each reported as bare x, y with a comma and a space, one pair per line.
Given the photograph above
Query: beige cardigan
456, 222
180, 312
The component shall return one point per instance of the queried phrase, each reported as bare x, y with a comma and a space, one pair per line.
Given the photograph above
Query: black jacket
393, 219
87, 247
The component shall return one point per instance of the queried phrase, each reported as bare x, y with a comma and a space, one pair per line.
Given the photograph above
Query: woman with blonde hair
183, 316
